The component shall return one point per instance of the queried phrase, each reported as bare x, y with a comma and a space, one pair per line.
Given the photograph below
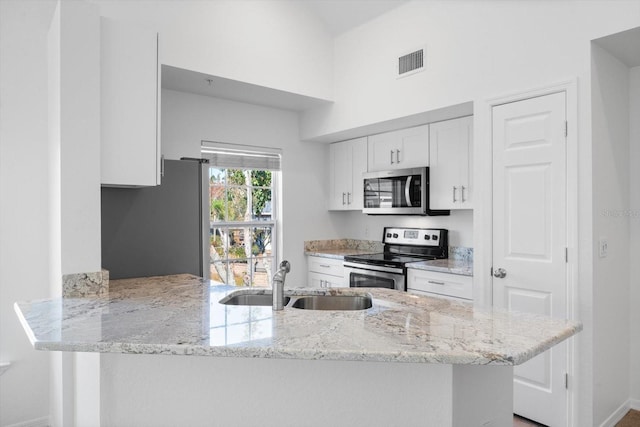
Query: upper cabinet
450, 152
348, 161
130, 103
405, 148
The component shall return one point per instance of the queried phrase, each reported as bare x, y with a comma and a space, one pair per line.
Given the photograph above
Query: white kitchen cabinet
450, 164
400, 149
130, 105
434, 283
347, 163
325, 272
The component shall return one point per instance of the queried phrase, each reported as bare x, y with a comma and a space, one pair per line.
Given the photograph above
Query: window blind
234, 156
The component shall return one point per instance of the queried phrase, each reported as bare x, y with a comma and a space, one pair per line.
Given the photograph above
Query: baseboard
38, 422
617, 415
635, 404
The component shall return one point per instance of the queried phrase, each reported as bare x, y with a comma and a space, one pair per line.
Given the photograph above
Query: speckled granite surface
85, 284
451, 265
339, 248
181, 315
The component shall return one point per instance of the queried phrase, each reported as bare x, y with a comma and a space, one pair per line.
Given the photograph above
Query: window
242, 192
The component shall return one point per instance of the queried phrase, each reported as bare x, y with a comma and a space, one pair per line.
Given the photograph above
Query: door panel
529, 238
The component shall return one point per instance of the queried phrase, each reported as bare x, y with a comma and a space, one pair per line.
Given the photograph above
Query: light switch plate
603, 247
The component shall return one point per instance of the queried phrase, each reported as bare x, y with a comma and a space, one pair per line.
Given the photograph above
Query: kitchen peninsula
407, 360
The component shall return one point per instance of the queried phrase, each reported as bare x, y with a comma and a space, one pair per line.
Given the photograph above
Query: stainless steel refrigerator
159, 230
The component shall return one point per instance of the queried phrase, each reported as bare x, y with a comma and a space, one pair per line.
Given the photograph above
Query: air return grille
411, 63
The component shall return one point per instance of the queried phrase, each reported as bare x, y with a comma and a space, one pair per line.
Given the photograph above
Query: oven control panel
413, 236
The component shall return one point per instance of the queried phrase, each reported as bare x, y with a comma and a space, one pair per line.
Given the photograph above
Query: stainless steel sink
333, 302
250, 299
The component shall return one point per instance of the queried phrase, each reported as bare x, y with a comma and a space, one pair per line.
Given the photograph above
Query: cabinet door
404, 148
348, 160
339, 175
450, 164
381, 151
413, 147
358, 167
130, 88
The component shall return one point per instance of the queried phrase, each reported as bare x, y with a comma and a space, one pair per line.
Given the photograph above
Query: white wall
634, 207
474, 50
275, 44
25, 256
611, 168
187, 119
74, 187
356, 225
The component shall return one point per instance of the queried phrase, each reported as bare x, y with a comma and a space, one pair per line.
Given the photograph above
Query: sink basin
331, 302
250, 299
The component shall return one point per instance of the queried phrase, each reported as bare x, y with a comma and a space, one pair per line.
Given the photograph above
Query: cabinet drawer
453, 285
328, 266
319, 280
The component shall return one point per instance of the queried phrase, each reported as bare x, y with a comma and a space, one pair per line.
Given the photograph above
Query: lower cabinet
325, 272
422, 282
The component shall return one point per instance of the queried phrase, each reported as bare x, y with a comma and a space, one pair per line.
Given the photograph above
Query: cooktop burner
386, 258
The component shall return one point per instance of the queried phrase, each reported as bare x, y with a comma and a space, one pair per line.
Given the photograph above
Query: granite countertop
451, 265
338, 253
460, 259
181, 315
339, 248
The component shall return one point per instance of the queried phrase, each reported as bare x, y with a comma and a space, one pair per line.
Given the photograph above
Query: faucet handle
286, 266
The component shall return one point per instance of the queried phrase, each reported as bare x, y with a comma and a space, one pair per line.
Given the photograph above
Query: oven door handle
369, 267
407, 190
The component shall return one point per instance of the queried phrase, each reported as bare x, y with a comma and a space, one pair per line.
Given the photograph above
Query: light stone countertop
339, 248
450, 265
181, 315
339, 253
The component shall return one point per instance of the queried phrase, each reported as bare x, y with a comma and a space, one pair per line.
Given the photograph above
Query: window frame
276, 189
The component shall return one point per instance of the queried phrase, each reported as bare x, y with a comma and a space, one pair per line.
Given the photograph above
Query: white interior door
530, 239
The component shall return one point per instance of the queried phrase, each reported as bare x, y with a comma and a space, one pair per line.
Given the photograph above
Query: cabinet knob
343, 195
397, 156
391, 156
462, 188
454, 194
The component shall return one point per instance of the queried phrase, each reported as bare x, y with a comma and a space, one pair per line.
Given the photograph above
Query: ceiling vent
411, 63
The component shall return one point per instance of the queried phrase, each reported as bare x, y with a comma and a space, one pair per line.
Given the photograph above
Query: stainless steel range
401, 246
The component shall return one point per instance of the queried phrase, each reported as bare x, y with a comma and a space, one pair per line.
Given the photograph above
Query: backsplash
461, 253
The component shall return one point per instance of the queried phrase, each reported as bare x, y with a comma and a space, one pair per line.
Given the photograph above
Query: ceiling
624, 46
338, 16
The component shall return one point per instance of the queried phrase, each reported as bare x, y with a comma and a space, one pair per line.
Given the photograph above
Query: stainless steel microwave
398, 192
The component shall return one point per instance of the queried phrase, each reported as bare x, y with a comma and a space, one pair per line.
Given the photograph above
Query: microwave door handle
407, 191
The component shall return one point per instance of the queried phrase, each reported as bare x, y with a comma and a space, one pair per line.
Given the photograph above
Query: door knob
500, 273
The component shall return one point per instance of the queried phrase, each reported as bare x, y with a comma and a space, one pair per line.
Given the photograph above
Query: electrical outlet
603, 247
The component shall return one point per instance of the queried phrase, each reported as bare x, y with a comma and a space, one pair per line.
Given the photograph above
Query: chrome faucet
278, 285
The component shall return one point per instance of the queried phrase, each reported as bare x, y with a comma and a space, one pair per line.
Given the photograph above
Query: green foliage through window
242, 225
